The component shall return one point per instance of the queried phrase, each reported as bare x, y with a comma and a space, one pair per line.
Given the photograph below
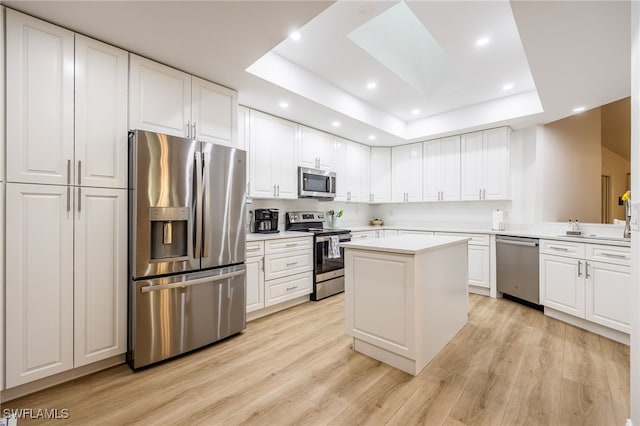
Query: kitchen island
405, 297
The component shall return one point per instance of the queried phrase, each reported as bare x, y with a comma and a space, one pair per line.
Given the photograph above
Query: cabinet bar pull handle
586, 269
579, 268
484, 193
278, 190
480, 193
274, 190
292, 263
188, 129
558, 248
292, 245
68, 199
292, 288
619, 256
79, 172
194, 130
79, 200
253, 248
68, 172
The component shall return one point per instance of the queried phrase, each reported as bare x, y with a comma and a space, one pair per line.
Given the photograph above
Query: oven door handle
343, 237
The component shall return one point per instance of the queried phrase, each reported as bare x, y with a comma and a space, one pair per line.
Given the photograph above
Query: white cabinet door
431, 170
214, 113
479, 266
100, 274
365, 173
255, 283
101, 85
608, 295
272, 155
354, 167
324, 151
380, 174
159, 98
450, 168
307, 148
340, 164
496, 164
39, 282
39, 59
562, 284
471, 166
285, 170
406, 178
244, 129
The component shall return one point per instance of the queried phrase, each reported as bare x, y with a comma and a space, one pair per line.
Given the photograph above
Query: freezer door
224, 193
177, 314
164, 172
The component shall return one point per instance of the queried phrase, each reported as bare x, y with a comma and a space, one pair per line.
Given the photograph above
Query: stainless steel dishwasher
517, 262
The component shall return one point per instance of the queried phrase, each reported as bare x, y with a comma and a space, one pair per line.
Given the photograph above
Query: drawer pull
253, 248
558, 248
292, 263
619, 256
292, 244
292, 288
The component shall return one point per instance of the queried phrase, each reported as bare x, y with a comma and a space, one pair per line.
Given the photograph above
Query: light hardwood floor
509, 365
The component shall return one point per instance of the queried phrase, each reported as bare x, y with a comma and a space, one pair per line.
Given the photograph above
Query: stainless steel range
328, 269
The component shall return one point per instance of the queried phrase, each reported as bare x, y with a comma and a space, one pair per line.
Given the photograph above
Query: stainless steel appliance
187, 245
265, 221
328, 270
316, 183
517, 274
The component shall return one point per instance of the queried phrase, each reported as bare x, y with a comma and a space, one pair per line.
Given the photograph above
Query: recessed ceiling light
336, 124
295, 36
579, 109
507, 86
284, 104
415, 111
372, 137
482, 41
372, 85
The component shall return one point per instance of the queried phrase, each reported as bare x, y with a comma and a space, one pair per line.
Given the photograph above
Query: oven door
328, 266
314, 183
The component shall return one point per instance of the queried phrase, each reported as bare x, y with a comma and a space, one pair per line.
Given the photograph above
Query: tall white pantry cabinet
66, 277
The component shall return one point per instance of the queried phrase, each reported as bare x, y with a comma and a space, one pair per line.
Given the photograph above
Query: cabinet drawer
287, 288
562, 248
286, 245
284, 264
476, 239
363, 235
609, 254
254, 248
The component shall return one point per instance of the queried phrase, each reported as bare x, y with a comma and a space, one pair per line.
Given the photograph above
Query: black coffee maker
265, 221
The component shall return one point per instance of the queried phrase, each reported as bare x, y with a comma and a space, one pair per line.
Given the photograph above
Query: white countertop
585, 238
253, 236
406, 244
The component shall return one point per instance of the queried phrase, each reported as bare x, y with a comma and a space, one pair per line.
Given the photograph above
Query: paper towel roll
498, 220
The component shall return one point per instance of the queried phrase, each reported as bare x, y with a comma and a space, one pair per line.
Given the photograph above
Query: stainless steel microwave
315, 183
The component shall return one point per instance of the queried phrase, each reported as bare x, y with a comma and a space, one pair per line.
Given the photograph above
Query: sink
593, 237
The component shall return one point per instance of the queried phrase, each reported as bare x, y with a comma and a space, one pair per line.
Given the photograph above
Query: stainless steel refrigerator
187, 245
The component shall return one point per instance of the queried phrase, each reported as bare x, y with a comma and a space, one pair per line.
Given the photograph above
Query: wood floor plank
298, 367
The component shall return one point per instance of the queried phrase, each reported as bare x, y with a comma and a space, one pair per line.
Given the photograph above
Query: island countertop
405, 244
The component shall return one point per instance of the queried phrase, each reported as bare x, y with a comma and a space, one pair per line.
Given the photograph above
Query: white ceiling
422, 54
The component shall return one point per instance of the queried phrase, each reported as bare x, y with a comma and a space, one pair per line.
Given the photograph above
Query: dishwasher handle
525, 243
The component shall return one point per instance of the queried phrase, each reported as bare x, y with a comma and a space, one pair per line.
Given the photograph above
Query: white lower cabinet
255, 275
412, 232
363, 235
575, 280
286, 288
58, 321
479, 258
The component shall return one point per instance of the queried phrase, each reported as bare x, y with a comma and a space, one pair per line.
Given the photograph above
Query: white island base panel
403, 306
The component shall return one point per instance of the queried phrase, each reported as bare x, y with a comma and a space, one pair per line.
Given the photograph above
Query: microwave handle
332, 185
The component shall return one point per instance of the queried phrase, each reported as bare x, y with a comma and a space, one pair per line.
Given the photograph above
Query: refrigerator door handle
204, 203
197, 171
149, 288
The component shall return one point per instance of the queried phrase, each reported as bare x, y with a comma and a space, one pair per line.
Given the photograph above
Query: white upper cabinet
351, 164
406, 178
485, 165
365, 173
159, 98
244, 129
272, 157
101, 85
40, 67
380, 174
166, 100
441, 169
315, 149
214, 113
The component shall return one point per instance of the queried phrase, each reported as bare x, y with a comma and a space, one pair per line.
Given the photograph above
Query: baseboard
483, 291
607, 332
275, 308
56, 379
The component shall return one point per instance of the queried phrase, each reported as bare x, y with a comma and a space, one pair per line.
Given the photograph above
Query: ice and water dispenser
169, 233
